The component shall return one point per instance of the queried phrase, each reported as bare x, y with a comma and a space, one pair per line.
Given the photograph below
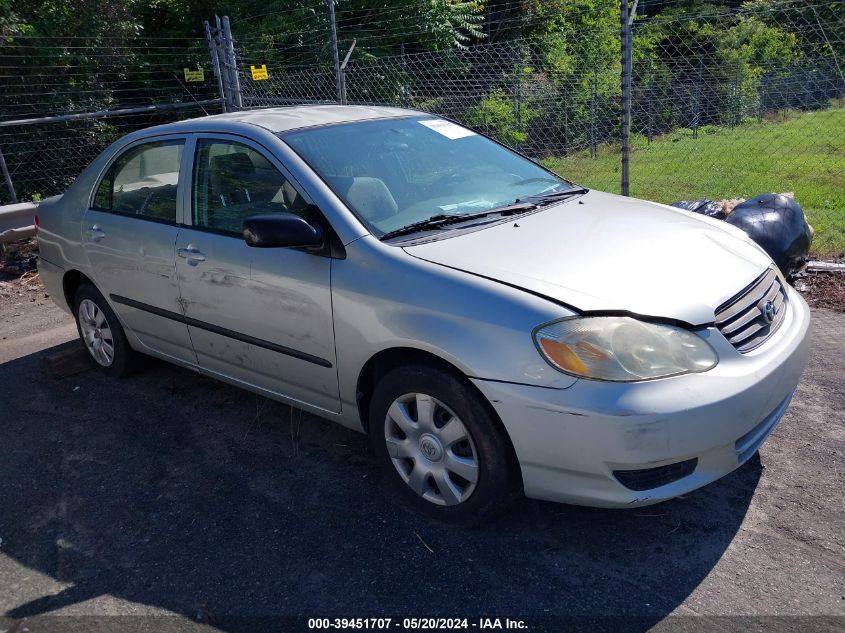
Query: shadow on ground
175, 491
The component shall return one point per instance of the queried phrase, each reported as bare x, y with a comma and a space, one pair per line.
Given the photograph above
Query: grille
649, 478
744, 320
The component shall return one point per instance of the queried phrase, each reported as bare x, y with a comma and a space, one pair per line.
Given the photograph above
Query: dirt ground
168, 501
18, 271
823, 290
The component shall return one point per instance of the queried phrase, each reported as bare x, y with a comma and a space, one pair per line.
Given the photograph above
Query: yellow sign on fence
194, 75
259, 73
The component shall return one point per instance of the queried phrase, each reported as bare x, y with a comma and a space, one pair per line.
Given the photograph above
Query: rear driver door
129, 236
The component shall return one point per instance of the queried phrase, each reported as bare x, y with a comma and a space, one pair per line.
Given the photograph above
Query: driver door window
232, 181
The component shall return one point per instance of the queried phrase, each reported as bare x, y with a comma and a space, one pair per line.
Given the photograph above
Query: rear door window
143, 182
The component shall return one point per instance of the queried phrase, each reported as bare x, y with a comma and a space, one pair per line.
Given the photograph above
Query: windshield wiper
440, 220
552, 196
526, 203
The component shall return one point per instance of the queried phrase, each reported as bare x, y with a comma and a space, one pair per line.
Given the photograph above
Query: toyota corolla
493, 327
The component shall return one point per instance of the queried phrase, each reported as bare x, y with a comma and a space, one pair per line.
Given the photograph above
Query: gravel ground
168, 494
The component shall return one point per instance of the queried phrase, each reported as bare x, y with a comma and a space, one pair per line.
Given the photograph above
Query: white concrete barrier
17, 221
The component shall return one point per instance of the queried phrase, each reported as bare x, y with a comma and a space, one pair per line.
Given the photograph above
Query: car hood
602, 252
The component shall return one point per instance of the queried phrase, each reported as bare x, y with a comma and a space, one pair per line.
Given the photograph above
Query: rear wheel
102, 334
442, 449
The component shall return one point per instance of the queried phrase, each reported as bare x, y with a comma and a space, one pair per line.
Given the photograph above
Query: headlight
622, 349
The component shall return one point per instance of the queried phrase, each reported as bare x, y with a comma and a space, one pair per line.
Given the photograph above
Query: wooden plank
68, 362
829, 267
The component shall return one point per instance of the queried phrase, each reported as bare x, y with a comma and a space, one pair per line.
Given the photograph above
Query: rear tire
101, 333
442, 449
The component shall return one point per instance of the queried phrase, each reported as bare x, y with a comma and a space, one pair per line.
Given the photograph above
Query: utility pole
335, 54
232, 64
215, 63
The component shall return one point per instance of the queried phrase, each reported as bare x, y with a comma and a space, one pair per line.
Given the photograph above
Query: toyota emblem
769, 312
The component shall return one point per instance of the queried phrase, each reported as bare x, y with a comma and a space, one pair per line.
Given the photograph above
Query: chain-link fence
765, 114
65, 99
495, 88
725, 103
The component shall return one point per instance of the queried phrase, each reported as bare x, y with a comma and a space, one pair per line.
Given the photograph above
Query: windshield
396, 172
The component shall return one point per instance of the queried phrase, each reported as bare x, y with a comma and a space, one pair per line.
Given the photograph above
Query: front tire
102, 334
441, 447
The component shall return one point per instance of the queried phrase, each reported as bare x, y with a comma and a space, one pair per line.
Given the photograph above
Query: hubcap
431, 449
96, 333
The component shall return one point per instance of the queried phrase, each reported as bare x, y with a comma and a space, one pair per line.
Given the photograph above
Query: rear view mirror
281, 230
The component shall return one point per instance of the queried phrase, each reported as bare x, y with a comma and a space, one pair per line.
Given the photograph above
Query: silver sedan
493, 327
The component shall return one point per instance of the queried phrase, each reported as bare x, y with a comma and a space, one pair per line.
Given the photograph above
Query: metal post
220, 43
335, 54
7, 177
232, 65
593, 140
565, 101
696, 101
626, 93
405, 91
673, 89
215, 64
650, 101
518, 91
789, 76
736, 118
343, 72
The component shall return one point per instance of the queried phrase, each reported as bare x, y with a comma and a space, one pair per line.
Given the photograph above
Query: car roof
287, 118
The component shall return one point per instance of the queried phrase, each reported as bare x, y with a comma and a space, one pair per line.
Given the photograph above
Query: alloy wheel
96, 332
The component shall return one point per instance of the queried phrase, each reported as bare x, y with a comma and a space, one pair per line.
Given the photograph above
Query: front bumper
570, 441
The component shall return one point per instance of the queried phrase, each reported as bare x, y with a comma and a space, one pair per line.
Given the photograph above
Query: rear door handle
192, 254
96, 233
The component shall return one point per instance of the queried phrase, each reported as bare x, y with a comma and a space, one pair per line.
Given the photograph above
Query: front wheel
441, 447
102, 334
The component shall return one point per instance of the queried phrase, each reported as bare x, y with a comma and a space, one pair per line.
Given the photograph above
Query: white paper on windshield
447, 128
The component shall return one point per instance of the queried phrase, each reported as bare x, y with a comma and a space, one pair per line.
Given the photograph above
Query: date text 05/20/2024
416, 624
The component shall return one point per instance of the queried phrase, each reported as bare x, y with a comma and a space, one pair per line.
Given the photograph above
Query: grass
801, 152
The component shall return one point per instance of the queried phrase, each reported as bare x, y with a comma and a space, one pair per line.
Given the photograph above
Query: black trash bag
777, 223
703, 206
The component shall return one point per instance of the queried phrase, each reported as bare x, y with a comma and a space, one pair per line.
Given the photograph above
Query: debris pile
18, 271
823, 284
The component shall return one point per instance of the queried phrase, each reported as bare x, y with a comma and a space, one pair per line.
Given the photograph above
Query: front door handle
192, 254
96, 233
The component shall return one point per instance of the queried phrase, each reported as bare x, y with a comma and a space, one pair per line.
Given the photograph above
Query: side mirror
279, 230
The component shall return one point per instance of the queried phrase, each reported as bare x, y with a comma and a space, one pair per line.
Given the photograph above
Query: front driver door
129, 235
260, 316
